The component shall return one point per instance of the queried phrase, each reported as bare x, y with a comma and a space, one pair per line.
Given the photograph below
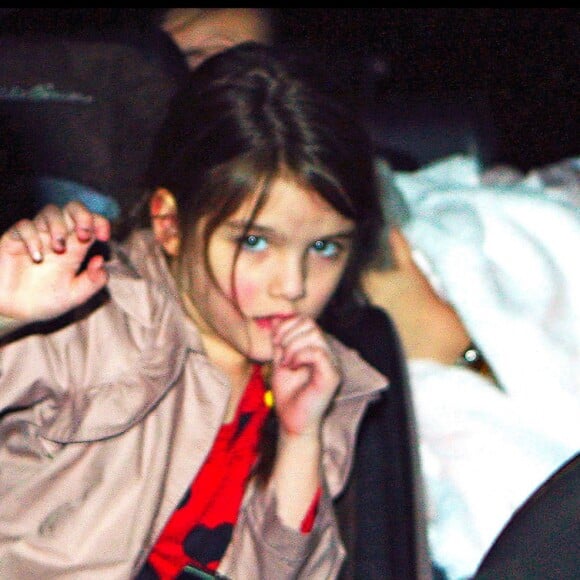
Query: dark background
516, 69
501, 81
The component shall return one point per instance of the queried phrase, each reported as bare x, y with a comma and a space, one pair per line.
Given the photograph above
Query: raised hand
40, 259
305, 376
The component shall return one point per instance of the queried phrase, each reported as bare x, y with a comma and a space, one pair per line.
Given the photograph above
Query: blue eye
326, 249
254, 243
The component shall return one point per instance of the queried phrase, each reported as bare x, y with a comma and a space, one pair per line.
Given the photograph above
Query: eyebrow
241, 226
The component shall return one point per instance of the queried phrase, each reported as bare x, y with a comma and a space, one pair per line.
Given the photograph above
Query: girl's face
290, 263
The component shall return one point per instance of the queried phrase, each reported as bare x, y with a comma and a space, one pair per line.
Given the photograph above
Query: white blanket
504, 251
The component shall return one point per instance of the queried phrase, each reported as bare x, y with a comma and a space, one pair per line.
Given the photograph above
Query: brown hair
247, 116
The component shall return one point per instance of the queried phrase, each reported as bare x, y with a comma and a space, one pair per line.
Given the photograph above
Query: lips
267, 322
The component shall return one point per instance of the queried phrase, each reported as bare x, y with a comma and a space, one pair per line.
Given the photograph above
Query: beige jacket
105, 422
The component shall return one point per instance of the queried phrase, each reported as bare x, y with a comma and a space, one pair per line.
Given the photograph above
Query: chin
257, 347
260, 357
260, 354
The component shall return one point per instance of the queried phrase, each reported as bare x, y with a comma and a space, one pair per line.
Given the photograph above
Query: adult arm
428, 326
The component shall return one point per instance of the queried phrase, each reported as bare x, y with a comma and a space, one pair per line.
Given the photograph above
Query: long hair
246, 116
249, 115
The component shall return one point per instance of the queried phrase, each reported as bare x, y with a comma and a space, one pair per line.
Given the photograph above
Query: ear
400, 249
163, 214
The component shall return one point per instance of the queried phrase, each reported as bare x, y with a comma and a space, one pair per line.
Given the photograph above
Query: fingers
50, 220
297, 341
92, 279
52, 226
86, 224
24, 234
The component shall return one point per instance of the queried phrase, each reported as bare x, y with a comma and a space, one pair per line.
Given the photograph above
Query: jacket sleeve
25, 367
94, 372
263, 547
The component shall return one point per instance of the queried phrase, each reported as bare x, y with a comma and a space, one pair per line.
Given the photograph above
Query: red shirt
200, 529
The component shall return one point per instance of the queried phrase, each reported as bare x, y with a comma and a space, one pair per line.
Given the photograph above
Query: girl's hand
305, 376
40, 259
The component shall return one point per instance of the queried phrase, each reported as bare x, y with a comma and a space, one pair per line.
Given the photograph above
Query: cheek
247, 292
320, 293
322, 287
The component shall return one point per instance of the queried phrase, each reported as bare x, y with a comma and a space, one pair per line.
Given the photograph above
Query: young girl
178, 411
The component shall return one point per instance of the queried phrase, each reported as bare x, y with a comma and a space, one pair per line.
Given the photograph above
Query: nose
289, 279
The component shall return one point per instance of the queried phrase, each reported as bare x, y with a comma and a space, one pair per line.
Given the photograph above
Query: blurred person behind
479, 274
202, 32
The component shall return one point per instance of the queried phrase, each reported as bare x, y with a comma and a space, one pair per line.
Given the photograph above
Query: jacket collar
144, 256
